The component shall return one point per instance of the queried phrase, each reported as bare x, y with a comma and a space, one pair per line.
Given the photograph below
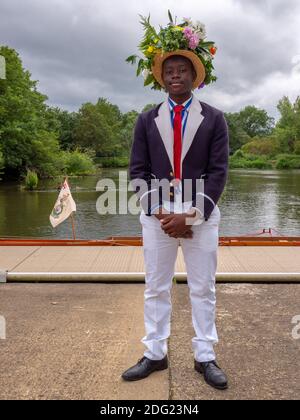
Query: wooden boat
272, 238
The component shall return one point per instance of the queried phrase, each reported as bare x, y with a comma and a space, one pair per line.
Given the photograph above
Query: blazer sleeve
145, 187
217, 168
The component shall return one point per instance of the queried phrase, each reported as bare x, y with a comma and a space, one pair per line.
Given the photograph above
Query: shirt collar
172, 103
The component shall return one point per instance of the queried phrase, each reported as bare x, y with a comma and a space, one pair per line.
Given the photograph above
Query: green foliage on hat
184, 36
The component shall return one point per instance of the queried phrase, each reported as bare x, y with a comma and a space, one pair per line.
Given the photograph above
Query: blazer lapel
163, 122
195, 119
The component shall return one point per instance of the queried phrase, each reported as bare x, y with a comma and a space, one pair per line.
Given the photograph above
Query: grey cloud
274, 8
77, 49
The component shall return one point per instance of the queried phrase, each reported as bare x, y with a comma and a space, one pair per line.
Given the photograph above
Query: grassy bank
241, 160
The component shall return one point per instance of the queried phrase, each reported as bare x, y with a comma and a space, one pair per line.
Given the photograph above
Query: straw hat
187, 39
197, 63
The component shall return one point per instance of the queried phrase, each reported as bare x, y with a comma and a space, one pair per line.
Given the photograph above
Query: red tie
177, 140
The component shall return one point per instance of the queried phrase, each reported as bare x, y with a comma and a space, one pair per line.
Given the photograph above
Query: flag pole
72, 217
73, 227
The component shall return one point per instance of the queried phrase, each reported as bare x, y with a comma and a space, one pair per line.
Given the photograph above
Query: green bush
287, 161
78, 163
269, 146
297, 147
238, 154
260, 164
245, 161
31, 180
112, 162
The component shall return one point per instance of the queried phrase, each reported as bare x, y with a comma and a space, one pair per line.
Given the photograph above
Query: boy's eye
169, 72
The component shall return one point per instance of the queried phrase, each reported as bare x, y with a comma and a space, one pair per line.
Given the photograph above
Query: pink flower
194, 41
188, 32
192, 37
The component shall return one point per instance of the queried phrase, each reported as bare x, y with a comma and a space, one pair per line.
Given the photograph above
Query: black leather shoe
213, 374
144, 367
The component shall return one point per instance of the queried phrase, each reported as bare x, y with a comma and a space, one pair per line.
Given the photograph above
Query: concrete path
73, 341
256, 346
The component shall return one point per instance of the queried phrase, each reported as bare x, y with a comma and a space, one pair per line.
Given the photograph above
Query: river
253, 200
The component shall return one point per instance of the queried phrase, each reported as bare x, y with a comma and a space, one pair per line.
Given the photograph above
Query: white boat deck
126, 263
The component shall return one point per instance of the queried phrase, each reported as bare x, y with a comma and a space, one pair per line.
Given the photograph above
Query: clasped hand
174, 224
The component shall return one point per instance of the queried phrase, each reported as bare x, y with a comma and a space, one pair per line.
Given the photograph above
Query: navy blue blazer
205, 155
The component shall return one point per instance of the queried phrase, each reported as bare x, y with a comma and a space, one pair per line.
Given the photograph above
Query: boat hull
138, 241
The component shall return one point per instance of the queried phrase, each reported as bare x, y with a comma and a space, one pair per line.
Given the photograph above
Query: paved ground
72, 341
256, 346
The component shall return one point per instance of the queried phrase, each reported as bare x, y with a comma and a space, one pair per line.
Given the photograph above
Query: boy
181, 139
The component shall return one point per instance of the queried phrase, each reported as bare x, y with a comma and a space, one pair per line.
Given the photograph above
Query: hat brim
197, 63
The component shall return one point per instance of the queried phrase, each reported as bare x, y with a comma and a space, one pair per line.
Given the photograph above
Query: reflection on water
253, 200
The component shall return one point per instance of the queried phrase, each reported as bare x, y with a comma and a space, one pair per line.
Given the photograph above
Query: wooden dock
126, 263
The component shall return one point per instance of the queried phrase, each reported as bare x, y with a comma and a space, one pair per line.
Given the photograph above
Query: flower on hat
178, 28
184, 36
200, 29
192, 37
145, 74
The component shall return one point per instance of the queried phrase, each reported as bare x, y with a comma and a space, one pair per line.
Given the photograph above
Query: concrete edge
140, 277
3, 276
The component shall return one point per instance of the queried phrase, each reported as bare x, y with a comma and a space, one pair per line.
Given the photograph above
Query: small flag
64, 206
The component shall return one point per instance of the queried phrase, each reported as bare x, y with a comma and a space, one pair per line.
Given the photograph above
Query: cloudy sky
77, 48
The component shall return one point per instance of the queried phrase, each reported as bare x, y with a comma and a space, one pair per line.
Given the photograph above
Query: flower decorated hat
187, 39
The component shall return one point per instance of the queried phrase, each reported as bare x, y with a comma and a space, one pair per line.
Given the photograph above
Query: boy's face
178, 75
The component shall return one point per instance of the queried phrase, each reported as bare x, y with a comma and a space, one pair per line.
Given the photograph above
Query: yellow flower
150, 49
178, 28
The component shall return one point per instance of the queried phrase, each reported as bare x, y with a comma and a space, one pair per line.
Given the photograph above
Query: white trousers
200, 256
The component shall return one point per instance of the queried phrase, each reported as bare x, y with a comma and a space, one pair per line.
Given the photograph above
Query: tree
256, 122
237, 136
128, 124
25, 135
110, 112
65, 123
98, 127
288, 126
